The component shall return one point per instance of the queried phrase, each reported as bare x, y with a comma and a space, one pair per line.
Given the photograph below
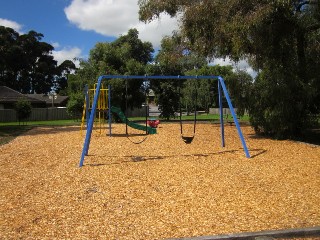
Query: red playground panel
153, 123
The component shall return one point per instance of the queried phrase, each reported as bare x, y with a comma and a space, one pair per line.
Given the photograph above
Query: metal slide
123, 118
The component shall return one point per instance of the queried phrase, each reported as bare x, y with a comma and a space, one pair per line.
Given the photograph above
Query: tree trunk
301, 45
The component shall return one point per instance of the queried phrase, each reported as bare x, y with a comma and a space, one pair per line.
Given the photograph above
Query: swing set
95, 104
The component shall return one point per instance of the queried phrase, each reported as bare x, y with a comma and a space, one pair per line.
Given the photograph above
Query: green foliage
75, 105
61, 83
239, 85
168, 99
175, 57
278, 104
127, 55
23, 109
121, 56
26, 63
281, 39
201, 94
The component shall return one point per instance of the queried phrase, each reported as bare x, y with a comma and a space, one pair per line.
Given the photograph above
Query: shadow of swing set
99, 106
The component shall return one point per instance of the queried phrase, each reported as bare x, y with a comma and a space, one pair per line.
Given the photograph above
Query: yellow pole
102, 105
83, 116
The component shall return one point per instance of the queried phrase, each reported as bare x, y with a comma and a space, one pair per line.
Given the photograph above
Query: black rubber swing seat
187, 140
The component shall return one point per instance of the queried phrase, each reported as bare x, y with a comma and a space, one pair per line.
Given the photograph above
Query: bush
23, 109
75, 105
278, 107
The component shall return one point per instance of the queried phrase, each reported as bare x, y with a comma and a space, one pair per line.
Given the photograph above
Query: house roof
44, 97
8, 95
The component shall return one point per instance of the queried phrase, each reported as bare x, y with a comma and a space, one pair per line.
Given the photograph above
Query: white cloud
157, 29
241, 65
55, 44
114, 18
11, 24
221, 61
67, 54
244, 66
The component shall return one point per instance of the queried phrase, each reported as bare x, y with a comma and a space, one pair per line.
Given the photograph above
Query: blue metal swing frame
221, 88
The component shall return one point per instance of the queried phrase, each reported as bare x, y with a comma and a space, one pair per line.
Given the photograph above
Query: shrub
23, 109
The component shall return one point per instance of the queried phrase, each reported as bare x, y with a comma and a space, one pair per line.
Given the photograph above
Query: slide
132, 124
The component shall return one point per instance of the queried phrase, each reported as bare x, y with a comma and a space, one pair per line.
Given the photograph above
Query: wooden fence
37, 114
48, 114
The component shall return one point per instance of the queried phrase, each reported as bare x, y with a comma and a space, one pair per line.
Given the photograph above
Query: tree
239, 84
26, 63
10, 57
61, 81
276, 37
23, 109
127, 55
174, 58
168, 99
75, 105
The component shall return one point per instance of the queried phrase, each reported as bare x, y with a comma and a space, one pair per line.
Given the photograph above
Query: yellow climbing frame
102, 106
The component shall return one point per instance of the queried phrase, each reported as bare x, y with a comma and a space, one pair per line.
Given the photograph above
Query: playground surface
162, 188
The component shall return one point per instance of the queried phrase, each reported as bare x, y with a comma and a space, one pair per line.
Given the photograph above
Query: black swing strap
188, 139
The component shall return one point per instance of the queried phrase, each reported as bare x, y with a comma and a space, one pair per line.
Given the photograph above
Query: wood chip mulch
162, 188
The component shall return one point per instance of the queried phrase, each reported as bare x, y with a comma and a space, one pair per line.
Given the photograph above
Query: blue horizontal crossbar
157, 77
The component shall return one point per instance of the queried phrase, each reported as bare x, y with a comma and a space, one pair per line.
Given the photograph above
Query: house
51, 100
151, 96
9, 97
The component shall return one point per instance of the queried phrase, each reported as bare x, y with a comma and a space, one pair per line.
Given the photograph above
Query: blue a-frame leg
244, 145
90, 123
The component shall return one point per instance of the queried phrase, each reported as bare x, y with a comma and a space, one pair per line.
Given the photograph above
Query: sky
73, 27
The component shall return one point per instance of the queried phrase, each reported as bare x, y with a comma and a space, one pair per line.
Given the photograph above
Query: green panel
134, 125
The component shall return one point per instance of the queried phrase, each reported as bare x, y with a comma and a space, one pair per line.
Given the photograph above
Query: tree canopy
26, 63
280, 39
127, 55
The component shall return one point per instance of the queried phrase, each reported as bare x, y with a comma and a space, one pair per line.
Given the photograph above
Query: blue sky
73, 27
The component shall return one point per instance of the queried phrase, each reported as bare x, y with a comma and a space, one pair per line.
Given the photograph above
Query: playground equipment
101, 108
148, 130
188, 139
221, 88
153, 122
